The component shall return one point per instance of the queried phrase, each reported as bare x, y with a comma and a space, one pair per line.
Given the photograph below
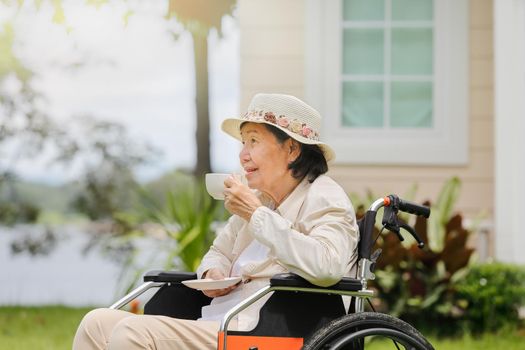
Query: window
389, 77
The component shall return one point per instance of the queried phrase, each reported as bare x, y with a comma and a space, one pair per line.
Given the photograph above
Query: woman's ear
294, 150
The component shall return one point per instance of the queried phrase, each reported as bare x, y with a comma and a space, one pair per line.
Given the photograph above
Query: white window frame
446, 143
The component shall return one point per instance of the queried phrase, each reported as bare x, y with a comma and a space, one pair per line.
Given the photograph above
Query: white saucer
208, 283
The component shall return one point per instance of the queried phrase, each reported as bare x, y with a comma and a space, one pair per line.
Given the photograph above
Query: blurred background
109, 118
100, 99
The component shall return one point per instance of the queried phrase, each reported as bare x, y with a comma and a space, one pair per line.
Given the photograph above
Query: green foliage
24, 127
9, 63
418, 285
108, 185
13, 213
442, 212
14, 210
104, 195
491, 295
187, 217
51, 198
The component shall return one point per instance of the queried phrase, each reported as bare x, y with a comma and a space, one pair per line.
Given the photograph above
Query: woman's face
264, 159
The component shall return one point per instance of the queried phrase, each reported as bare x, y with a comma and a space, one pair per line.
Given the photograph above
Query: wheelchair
298, 314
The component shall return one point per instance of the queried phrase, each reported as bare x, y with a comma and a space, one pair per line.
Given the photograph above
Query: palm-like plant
187, 218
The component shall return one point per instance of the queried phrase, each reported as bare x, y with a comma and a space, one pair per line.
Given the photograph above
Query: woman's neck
279, 194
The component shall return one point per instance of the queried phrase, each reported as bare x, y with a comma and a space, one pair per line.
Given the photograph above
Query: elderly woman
296, 220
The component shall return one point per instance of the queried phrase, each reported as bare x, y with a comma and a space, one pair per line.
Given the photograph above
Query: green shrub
12, 213
418, 285
491, 295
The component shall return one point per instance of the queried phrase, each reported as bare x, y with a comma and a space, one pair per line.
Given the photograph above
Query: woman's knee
92, 319
130, 333
100, 322
90, 332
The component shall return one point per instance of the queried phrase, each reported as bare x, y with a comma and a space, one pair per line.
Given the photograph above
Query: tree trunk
200, 52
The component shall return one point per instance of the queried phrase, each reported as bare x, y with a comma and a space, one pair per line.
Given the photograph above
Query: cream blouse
313, 233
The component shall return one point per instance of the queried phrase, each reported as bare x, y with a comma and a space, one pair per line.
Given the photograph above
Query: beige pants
103, 329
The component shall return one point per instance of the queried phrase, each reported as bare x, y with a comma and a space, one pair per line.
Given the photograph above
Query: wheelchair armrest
168, 276
293, 280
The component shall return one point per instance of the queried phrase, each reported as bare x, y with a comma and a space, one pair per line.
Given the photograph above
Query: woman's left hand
239, 199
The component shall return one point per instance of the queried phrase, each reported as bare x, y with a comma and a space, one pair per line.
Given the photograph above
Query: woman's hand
216, 274
239, 199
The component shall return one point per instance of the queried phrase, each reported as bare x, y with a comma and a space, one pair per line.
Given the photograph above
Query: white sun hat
285, 112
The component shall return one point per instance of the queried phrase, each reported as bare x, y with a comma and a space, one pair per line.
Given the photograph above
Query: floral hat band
294, 125
287, 113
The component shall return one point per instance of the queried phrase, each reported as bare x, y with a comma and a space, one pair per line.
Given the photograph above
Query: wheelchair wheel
360, 331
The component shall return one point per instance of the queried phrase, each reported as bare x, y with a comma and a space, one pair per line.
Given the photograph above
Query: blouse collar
289, 208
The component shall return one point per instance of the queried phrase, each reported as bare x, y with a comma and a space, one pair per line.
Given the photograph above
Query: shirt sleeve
320, 248
220, 253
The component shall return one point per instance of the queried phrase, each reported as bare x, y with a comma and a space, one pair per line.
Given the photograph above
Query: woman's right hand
216, 274
239, 199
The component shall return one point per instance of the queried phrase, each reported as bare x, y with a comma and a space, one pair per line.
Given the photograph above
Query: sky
137, 74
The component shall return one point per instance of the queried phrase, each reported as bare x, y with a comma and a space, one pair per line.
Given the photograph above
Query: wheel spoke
395, 343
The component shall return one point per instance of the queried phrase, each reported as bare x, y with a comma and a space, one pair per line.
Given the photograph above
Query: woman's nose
244, 155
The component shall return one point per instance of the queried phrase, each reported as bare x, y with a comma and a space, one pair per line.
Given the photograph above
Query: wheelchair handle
406, 206
393, 201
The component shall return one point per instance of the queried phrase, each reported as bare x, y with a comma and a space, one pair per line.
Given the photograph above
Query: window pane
419, 10
362, 104
412, 51
411, 104
363, 51
362, 10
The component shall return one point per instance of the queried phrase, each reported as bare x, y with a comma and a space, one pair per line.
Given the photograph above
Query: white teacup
215, 184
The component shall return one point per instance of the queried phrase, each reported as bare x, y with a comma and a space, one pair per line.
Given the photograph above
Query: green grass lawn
53, 327
38, 328
506, 340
